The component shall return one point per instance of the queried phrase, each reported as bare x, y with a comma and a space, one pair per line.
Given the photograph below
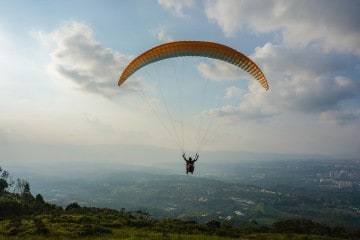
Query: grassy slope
68, 226
132, 234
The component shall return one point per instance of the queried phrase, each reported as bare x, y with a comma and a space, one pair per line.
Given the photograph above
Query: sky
60, 62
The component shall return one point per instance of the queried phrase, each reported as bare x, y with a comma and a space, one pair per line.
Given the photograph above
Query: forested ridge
24, 216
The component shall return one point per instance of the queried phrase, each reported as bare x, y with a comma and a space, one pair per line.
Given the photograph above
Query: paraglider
190, 163
194, 49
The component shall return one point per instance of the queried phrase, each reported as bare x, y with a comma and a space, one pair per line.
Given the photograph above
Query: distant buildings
339, 178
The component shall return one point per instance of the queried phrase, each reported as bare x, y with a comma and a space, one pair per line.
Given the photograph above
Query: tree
23, 187
19, 187
5, 174
3, 186
26, 195
39, 199
72, 206
26, 188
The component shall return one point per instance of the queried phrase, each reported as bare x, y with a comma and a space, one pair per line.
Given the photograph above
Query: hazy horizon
59, 158
60, 101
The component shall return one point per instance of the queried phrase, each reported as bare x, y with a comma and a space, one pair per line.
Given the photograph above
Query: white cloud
300, 81
234, 92
306, 81
177, 7
80, 59
304, 70
253, 105
219, 71
333, 25
162, 35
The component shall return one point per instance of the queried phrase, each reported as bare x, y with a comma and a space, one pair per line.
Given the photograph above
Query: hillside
23, 216
327, 192
43, 221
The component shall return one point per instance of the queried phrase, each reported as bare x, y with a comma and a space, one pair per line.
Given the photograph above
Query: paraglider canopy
194, 48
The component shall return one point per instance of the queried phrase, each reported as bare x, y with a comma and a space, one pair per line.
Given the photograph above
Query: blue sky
60, 62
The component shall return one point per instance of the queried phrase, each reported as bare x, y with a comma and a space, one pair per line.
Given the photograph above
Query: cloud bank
307, 67
78, 58
331, 25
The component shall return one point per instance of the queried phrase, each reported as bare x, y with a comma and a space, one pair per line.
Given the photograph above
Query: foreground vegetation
91, 223
23, 216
